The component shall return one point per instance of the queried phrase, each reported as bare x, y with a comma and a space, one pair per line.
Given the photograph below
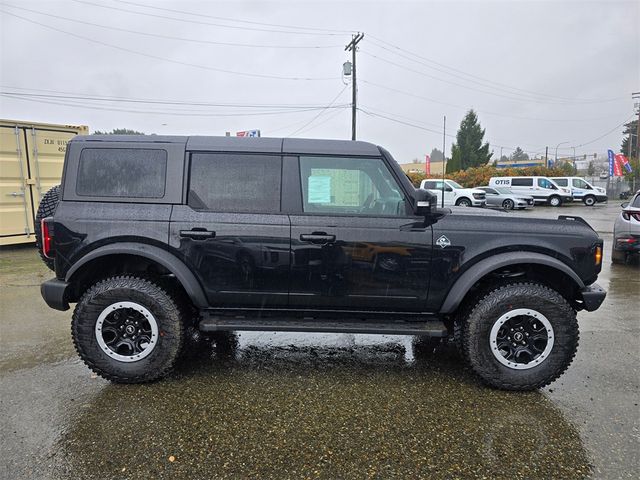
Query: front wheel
508, 204
463, 202
589, 200
555, 201
520, 336
128, 329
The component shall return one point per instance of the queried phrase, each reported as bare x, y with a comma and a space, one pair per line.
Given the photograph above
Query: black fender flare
476, 272
169, 261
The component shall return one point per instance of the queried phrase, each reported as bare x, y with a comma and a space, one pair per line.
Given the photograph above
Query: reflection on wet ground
338, 407
266, 405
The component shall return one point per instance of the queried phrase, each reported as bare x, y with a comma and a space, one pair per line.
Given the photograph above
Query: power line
275, 25
396, 50
321, 112
85, 106
200, 22
177, 62
169, 37
485, 112
69, 96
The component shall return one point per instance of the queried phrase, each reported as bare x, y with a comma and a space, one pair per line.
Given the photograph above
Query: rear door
231, 232
354, 242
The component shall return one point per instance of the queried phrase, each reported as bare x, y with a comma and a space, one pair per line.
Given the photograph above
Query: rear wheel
128, 329
47, 208
463, 202
520, 336
555, 201
589, 200
508, 204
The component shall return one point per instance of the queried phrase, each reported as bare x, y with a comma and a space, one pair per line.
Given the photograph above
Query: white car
626, 231
455, 194
582, 190
542, 189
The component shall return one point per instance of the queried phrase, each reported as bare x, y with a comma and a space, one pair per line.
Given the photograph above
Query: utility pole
352, 47
546, 157
636, 96
444, 157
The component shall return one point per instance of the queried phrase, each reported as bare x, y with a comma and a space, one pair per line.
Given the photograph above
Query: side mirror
624, 205
425, 202
447, 188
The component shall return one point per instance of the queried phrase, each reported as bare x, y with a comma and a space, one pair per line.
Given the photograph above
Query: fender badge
443, 241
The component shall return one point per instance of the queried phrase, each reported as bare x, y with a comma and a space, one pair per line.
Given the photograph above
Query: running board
432, 328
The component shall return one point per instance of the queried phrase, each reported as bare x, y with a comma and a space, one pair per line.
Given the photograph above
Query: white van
542, 189
582, 190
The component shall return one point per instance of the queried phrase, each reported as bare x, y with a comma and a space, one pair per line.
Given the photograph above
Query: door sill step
432, 328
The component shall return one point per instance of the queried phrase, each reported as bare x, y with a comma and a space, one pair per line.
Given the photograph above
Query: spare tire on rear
47, 208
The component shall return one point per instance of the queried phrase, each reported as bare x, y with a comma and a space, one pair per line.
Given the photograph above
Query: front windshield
454, 184
504, 191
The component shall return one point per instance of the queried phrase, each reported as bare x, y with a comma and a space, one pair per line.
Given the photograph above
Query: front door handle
197, 234
317, 237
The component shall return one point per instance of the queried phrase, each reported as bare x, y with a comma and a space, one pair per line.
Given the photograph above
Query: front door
231, 232
355, 244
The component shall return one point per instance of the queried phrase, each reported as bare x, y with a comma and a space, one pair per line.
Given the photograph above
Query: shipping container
31, 160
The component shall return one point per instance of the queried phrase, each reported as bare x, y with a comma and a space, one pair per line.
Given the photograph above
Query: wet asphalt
281, 405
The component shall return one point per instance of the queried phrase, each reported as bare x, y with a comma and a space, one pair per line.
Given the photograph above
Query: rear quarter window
522, 182
122, 172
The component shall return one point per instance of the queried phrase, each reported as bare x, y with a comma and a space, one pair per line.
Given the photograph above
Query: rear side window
122, 172
522, 182
235, 183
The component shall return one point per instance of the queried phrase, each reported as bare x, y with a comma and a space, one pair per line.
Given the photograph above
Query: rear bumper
54, 293
592, 297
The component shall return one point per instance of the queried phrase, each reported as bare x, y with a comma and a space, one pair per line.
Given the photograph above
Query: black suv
156, 235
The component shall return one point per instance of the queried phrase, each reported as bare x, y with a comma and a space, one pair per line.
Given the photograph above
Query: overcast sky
538, 73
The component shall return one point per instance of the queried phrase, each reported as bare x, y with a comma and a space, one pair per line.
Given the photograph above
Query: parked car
505, 198
154, 236
542, 189
626, 231
455, 194
582, 190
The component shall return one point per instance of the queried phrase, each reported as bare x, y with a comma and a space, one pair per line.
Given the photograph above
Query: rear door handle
197, 234
317, 237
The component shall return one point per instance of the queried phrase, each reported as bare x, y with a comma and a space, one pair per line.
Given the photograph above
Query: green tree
469, 150
519, 154
119, 131
436, 155
591, 169
630, 128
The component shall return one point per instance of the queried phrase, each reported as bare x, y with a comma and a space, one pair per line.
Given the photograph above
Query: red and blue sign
618, 162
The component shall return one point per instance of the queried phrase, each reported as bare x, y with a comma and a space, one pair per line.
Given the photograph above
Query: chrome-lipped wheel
521, 339
126, 331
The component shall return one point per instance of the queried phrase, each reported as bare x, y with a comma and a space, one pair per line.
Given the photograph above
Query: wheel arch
131, 257
471, 279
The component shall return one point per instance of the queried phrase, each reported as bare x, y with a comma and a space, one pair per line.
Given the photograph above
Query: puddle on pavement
332, 406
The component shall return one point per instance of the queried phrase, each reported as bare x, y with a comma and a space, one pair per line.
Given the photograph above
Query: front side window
544, 183
579, 183
235, 183
455, 185
122, 172
362, 186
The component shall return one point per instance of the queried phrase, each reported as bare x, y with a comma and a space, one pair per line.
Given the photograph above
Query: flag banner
611, 162
624, 161
427, 166
248, 133
617, 166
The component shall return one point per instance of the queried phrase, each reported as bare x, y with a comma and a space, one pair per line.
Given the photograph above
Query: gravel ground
279, 405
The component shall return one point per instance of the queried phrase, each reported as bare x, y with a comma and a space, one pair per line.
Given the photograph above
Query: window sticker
319, 189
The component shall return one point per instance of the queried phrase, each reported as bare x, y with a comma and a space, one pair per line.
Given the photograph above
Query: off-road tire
555, 201
589, 200
476, 328
47, 208
463, 202
154, 298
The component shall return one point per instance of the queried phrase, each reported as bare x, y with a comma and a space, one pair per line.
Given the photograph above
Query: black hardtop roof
247, 144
